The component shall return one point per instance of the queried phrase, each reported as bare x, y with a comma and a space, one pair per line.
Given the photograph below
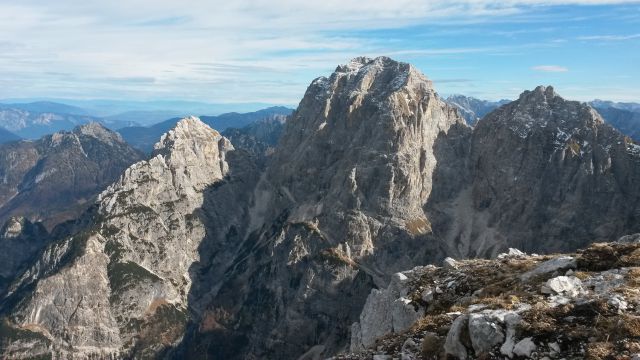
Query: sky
269, 51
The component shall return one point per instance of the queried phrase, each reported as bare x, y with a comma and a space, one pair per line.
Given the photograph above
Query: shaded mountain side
626, 121
259, 138
7, 136
544, 174
20, 241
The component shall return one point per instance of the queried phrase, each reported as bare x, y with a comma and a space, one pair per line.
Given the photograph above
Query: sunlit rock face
119, 287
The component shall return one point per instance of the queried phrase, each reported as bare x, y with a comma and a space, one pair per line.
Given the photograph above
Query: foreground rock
483, 309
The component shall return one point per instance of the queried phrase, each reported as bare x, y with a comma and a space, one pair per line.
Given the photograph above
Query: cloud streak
610, 37
550, 68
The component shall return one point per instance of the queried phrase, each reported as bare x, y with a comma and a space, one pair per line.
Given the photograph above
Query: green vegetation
123, 275
114, 250
575, 147
335, 258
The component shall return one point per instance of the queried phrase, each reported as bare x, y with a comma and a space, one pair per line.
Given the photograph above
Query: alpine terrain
322, 245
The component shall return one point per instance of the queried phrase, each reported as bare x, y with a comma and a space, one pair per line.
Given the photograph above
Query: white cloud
211, 50
550, 68
610, 37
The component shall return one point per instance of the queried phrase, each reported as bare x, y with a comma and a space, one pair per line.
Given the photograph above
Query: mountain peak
98, 131
188, 130
541, 107
394, 74
540, 93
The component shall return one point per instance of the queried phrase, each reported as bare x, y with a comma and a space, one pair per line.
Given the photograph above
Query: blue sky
269, 51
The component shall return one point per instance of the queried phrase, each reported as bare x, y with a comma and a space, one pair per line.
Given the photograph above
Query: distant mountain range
143, 138
105, 107
142, 126
33, 120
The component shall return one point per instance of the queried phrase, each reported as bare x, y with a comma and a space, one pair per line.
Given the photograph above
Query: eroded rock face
120, 287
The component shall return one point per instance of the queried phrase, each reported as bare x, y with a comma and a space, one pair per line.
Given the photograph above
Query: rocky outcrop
58, 177
483, 309
119, 287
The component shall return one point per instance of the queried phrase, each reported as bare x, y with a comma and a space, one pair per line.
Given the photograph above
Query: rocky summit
210, 250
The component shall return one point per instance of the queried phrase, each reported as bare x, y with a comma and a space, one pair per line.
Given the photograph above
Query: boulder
485, 333
629, 239
454, 345
525, 347
550, 266
450, 264
563, 285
